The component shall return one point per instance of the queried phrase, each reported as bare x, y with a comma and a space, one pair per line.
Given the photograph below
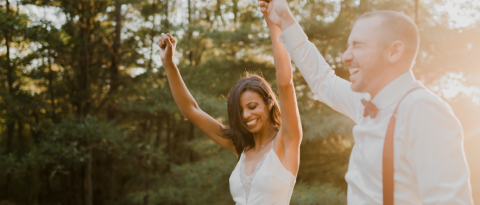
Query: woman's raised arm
291, 125
185, 101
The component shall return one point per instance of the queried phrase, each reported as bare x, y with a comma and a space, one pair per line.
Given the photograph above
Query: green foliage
316, 194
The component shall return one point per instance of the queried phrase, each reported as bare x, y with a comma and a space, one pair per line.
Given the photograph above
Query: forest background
87, 117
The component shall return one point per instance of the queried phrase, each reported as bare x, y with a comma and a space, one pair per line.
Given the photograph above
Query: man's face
366, 55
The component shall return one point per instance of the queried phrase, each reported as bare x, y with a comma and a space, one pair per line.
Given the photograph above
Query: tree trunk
10, 121
88, 181
10, 77
165, 10
84, 78
191, 136
115, 60
169, 141
50, 86
112, 108
84, 93
235, 11
159, 128
152, 35
10, 115
363, 6
190, 50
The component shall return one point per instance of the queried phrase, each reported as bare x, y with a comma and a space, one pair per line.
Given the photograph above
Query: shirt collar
394, 90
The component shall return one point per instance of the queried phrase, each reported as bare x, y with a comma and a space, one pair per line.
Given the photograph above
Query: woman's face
254, 111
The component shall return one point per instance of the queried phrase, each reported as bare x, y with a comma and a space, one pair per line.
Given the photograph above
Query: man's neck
385, 80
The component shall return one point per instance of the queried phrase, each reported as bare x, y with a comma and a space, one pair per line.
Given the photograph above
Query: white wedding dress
270, 183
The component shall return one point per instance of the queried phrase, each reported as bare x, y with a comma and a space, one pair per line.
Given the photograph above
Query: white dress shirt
430, 163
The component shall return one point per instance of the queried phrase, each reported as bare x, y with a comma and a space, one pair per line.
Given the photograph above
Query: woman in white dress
264, 136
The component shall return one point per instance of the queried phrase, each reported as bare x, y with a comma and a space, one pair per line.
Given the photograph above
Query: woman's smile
252, 123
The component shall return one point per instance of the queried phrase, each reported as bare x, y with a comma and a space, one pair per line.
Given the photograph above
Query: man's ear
396, 51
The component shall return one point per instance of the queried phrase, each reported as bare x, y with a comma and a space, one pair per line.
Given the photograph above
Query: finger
164, 36
263, 4
172, 39
162, 39
166, 39
169, 43
263, 1
161, 43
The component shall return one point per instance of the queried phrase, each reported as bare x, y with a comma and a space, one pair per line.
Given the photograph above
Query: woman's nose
246, 115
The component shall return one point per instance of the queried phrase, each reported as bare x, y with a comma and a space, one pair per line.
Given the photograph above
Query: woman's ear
270, 105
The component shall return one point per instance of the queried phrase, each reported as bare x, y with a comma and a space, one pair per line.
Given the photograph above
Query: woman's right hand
167, 47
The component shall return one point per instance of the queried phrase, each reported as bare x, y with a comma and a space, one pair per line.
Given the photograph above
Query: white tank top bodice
271, 183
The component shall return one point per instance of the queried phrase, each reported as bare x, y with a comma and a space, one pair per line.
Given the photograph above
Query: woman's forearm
281, 59
185, 101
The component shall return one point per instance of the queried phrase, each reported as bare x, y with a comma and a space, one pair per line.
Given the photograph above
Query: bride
264, 136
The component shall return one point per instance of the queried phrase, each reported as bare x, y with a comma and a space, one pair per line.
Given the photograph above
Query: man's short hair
398, 26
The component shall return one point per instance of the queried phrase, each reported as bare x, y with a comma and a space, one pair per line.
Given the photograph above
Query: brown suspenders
387, 160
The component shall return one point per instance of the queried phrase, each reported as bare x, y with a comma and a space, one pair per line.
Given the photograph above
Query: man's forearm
327, 87
288, 20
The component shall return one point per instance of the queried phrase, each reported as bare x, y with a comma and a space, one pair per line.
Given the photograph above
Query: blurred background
87, 117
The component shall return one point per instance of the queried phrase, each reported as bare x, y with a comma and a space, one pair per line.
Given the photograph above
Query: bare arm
291, 125
185, 101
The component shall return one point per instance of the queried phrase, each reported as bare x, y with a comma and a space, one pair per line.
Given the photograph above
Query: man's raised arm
327, 87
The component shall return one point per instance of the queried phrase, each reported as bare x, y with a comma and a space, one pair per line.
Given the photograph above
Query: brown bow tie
370, 109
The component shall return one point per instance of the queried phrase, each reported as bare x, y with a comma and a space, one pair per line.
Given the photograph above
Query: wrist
168, 63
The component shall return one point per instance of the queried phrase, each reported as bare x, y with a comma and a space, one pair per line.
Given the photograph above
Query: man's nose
347, 56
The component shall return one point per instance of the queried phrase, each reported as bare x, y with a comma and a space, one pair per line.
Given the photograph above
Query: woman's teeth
251, 122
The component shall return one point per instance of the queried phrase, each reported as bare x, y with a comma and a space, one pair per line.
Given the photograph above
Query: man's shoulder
426, 111
424, 101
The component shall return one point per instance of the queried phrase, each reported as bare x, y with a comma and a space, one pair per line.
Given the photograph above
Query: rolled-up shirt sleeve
437, 155
325, 85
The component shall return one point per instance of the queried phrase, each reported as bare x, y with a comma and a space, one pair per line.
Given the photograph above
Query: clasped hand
277, 12
167, 47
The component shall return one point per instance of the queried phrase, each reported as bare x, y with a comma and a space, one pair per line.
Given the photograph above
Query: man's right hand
277, 12
167, 47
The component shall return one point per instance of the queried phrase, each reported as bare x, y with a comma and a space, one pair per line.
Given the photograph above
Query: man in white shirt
429, 160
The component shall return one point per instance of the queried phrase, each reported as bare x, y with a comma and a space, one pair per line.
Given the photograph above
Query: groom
429, 164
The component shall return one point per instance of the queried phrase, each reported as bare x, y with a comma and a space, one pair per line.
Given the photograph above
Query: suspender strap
387, 160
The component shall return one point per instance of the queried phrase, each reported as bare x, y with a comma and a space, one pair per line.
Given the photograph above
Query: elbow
285, 86
190, 110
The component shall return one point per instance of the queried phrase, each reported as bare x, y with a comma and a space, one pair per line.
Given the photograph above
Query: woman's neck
264, 136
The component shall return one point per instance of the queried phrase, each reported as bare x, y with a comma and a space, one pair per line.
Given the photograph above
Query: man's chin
356, 87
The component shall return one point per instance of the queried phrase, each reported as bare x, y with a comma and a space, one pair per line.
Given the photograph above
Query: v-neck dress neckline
248, 180
270, 183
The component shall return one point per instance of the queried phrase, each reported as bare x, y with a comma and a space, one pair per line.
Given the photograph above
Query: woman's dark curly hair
241, 137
